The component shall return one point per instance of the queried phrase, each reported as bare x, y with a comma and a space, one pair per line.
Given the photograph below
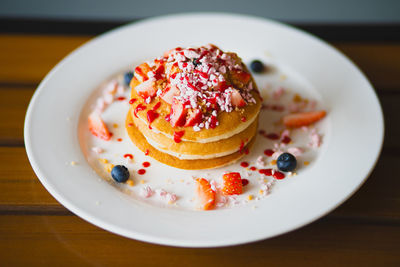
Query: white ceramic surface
355, 130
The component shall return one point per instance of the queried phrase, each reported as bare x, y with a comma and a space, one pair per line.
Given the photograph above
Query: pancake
140, 141
194, 108
230, 123
195, 150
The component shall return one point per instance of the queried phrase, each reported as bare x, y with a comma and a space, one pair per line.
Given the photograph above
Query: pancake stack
194, 108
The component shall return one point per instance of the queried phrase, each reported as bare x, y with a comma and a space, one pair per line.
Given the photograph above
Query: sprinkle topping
203, 79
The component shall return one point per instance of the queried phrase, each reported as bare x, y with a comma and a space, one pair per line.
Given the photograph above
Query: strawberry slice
240, 77
296, 120
168, 94
97, 126
178, 113
194, 117
232, 184
146, 89
205, 193
236, 99
141, 72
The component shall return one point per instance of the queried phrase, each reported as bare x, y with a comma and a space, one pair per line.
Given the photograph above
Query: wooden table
36, 229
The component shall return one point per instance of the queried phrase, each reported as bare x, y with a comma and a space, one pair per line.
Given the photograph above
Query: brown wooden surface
36, 230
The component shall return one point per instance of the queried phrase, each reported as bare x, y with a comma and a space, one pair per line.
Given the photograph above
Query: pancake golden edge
140, 141
230, 123
188, 149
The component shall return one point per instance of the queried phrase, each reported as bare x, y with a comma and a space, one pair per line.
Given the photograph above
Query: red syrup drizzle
156, 106
151, 116
146, 152
241, 147
133, 100
128, 156
244, 164
245, 182
178, 136
286, 140
119, 139
213, 122
141, 171
139, 107
252, 168
146, 164
139, 71
268, 152
278, 175
272, 136
267, 172
243, 119
121, 98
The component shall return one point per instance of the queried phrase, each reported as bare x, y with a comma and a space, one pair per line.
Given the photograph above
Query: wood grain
27, 59
327, 242
14, 102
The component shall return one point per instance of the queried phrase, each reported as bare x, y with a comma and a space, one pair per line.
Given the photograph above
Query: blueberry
257, 66
128, 77
286, 162
120, 173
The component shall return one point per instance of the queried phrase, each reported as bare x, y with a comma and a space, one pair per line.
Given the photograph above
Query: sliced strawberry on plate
236, 99
232, 184
193, 117
178, 113
205, 193
168, 94
141, 72
300, 119
146, 89
97, 126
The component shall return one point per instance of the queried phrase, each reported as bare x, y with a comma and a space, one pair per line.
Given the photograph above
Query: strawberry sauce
178, 135
151, 116
146, 164
128, 156
278, 175
156, 106
286, 140
244, 164
141, 171
272, 136
268, 152
267, 172
139, 107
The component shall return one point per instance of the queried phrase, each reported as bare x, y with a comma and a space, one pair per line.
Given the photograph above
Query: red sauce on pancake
178, 135
139, 107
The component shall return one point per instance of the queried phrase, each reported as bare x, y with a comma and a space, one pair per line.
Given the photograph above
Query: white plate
350, 151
